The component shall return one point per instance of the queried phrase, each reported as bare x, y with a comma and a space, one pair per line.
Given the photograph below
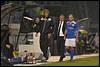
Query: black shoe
47, 58
64, 56
61, 59
71, 60
44, 59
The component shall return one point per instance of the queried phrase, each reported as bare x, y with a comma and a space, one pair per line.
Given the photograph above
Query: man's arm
65, 31
38, 27
76, 28
65, 34
37, 30
77, 37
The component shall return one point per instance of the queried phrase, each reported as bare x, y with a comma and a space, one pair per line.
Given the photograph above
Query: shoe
61, 58
44, 59
64, 56
47, 58
71, 60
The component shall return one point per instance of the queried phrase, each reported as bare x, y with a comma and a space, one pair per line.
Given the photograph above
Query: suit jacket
56, 30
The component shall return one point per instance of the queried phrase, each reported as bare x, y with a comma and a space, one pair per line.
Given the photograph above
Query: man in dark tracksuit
60, 37
45, 27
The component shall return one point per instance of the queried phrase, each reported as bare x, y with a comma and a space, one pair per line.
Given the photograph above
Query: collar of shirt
61, 21
71, 22
61, 33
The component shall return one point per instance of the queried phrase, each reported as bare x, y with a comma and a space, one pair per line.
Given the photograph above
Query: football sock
71, 54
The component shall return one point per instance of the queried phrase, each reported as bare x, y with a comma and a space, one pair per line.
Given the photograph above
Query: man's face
71, 18
46, 14
61, 18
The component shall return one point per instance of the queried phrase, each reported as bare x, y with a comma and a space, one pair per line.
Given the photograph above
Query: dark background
80, 9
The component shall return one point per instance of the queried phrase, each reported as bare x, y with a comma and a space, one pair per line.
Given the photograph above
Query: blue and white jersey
71, 28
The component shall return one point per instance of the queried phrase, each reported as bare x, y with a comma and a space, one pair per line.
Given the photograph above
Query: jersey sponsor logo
70, 28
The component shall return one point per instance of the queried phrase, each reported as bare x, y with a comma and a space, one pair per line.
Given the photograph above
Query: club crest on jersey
72, 24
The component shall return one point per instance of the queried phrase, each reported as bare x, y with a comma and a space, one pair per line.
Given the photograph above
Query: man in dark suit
45, 27
60, 36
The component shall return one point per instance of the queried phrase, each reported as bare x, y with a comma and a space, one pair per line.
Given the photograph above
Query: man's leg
58, 45
51, 45
67, 46
43, 45
41, 42
71, 53
46, 46
72, 45
62, 48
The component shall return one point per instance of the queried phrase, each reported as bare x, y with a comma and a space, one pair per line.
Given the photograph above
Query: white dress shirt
61, 32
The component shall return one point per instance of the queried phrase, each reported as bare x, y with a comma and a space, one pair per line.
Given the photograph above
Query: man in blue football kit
71, 36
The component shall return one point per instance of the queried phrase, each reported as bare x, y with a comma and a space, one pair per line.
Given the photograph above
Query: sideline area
56, 59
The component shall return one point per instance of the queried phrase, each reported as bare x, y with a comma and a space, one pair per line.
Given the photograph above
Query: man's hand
64, 38
36, 34
49, 35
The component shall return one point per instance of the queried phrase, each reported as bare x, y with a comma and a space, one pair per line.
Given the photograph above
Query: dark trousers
44, 45
51, 45
61, 45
